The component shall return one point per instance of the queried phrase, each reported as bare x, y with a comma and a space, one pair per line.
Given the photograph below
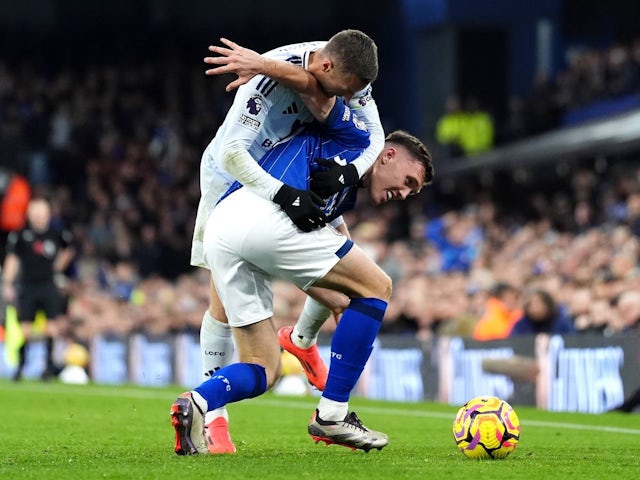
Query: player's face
38, 215
342, 85
395, 176
335, 81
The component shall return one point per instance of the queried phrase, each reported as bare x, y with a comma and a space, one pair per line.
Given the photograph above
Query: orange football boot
314, 367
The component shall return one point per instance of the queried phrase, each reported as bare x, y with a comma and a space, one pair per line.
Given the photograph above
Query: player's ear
327, 64
388, 154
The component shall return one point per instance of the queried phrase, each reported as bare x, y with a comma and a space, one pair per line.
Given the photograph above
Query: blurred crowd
592, 75
566, 263
608, 77
116, 148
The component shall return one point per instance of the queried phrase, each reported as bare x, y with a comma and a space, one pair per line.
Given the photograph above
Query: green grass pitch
55, 431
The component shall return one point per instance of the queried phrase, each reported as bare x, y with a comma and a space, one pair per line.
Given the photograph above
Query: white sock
200, 401
313, 316
332, 410
216, 347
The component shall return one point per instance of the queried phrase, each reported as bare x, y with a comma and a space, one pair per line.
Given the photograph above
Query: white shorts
214, 182
248, 241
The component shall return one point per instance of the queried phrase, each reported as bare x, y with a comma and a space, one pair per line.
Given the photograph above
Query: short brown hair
416, 149
354, 52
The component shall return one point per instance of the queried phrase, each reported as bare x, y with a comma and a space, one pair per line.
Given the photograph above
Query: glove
302, 207
334, 178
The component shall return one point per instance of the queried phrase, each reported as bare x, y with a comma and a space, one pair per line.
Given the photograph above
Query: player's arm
364, 106
66, 254
246, 63
245, 120
336, 177
10, 269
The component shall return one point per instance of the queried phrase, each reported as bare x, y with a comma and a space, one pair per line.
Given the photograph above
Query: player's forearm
291, 76
63, 260
364, 106
376, 139
318, 104
240, 164
10, 270
302, 82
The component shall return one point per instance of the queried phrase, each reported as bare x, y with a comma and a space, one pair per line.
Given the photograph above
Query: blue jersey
342, 137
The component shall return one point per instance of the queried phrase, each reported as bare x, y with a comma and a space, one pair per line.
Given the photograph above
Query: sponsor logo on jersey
254, 105
249, 122
360, 125
346, 114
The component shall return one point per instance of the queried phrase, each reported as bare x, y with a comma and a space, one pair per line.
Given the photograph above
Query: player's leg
53, 306
300, 339
216, 346
27, 307
248, 300
265, 237
328, 260
370, 289
258, 369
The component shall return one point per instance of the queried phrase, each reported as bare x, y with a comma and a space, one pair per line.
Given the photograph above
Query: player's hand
302, 207
335, 178
245, 63
9, 293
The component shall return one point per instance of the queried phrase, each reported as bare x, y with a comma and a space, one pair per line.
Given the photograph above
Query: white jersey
263, 114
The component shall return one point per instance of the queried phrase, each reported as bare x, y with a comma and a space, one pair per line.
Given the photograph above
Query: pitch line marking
309, 402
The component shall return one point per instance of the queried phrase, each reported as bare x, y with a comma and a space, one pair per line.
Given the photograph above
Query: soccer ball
486, 428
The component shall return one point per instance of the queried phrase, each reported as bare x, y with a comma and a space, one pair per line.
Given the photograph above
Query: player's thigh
216, 308
258, 343
357, 276
51, 302
244, 291
28, 304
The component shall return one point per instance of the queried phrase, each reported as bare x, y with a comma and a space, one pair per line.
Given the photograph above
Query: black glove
302, 207
334, 178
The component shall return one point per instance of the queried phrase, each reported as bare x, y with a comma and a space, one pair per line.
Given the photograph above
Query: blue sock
232, 383
352, 344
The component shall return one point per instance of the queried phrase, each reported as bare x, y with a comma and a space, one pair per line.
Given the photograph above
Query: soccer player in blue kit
260, 242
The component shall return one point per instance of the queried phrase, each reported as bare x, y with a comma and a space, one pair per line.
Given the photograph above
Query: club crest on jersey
254, 105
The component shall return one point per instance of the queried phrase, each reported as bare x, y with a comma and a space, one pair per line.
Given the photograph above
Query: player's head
402, 169
39, 214
347, 63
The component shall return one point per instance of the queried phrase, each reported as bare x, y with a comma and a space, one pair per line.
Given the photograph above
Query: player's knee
217, 311
384, 287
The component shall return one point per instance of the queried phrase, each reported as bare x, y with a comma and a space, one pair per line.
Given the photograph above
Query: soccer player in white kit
262, 242
264, 113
